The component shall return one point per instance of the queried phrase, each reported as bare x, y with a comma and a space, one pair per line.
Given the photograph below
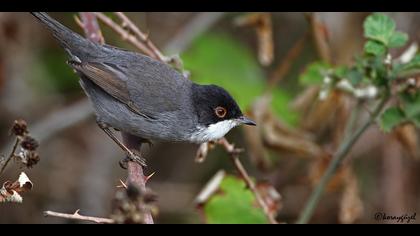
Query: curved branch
234, 155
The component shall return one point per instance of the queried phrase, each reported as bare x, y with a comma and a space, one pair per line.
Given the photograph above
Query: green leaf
374, 48
398, 39
314, 73
341, 71
354, 76
378, 71
379, 27
390, 118
411, 104
233, 204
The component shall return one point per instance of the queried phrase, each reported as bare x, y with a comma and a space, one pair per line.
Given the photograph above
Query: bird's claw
131, 156
124, 163
134, 157
148, 141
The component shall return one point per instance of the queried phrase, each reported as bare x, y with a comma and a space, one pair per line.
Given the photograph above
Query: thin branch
338, 158
234, 155
77, 216
90, 27
12, 154
140, 35
126, 36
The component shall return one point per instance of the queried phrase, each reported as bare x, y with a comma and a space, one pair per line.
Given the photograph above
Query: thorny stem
12, 154
134, 171
234, 155
338, 158
77, 216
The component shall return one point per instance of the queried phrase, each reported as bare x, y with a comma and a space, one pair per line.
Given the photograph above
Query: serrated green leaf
374, 48
233, 204
398, 39
314, 73
379, 27
390, 118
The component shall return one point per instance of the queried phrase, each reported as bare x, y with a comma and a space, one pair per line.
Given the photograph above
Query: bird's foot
148, 141
134, 157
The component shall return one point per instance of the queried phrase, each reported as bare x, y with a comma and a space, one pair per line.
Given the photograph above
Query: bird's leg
148, 141
131, 156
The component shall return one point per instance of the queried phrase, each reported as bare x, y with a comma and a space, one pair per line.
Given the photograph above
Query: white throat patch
213, 131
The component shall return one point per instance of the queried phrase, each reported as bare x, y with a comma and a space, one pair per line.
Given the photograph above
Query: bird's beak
246, 121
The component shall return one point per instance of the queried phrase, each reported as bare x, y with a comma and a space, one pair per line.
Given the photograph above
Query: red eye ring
220, 112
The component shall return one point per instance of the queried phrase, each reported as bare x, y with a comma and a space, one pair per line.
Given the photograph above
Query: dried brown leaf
271, 196
322, 112
406, 134
10, 192
318, 168
280, 137
351, 206
263, 26
321, 37
255, 145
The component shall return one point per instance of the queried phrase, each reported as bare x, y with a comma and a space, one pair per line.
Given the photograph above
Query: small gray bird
146, 98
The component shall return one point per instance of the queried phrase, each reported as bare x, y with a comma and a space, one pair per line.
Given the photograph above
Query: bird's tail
72, 42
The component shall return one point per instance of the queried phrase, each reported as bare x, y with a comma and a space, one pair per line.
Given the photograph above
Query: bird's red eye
220, 112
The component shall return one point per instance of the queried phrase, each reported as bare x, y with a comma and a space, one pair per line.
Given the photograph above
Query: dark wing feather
110, 79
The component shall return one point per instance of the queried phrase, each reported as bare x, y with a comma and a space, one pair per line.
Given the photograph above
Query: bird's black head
216, 110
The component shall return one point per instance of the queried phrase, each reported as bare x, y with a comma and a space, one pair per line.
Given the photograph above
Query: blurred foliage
233, 204
314, 73
219, 59
390, 118
60, 75
372, 74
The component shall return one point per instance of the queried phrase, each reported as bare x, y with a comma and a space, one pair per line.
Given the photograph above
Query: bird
136, 94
